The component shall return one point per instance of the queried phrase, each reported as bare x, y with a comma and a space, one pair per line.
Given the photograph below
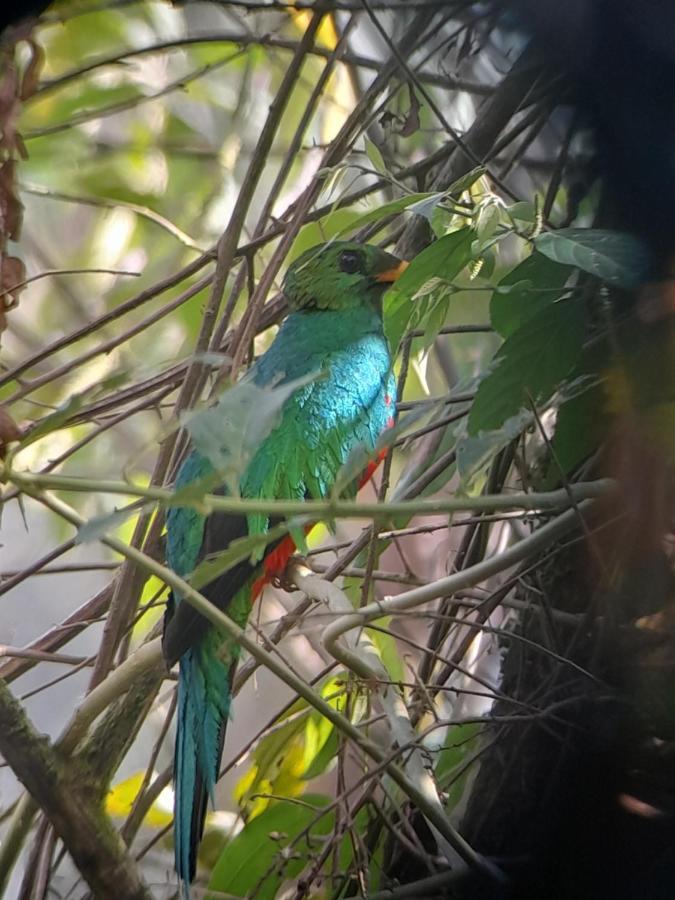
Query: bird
332, 345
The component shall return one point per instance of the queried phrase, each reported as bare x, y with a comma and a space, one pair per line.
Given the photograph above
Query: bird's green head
340, 275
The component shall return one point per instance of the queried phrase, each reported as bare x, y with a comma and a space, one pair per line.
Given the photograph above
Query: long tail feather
204, 693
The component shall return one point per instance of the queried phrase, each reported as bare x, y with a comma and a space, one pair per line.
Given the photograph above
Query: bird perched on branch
332, 358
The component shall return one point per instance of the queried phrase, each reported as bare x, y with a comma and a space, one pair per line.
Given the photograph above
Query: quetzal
334, 331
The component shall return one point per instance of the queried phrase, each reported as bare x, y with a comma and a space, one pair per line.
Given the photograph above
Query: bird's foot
286, 580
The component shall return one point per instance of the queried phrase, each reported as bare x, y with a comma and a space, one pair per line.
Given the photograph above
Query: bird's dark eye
350, 261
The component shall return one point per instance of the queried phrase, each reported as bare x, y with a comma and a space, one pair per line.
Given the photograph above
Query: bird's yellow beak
390, 275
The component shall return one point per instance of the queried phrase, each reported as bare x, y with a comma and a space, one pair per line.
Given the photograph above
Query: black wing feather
183, 625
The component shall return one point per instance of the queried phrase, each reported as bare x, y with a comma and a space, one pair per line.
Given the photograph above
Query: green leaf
387, 649
89, 98
444, 259
375, 156
425, 206
326, 759
277, 766
340, 222
260, 858
397, 314
533, 284
531, 363
320, 736
435, 318
460, 743
466, 181
486, 222
294, 751
523, 210
409, 203
613, 256
579, 428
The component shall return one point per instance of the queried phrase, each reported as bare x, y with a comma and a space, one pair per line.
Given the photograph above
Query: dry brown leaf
12, 276
31, 77
9, 431
10, 107
411, 123
11, 208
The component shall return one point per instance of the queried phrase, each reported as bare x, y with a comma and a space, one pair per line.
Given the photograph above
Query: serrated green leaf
254, 860
531, 363
613, 256
532, 284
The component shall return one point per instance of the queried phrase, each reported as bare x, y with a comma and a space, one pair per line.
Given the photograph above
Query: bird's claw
286, 580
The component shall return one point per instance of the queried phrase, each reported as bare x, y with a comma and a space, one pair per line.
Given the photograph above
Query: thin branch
52, 272
322, 509
244, 39
100, 202
115, 341
537, 541
132, 102
110, 316
61, 634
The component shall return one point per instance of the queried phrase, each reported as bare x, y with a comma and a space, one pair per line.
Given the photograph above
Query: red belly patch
274, 564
